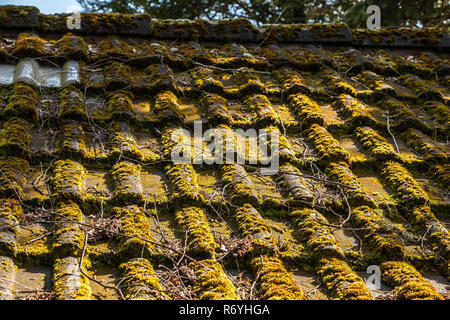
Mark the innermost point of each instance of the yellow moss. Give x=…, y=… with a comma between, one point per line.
x=306, y=109
x=312, y=227
x=72, y=143
x=355, y=109
x=22, y=102
x=68, y=281
x=127, y=182
x=120, y=106
x=407, y=282
x=275, y=283
x=212, y=282
x=175, y=137
x=407, y=189
x=204, y=80
x=167, y=108
x=385, y=244
x=356, y=194
x=377, y=145
x=250, y=222
x=292, y=82
x=217, y=111
x=136, y=229
x=15, y=139
x=194, y=224
x=68, y=235
x=68, y=180
x=341, y=281
x=241, y=188
x=262, y=110
x=326, y=146
x=13, y=178
x=184, y=183
x=71, y=103
x=140, y=281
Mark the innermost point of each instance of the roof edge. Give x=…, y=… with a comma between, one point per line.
x=28, y=18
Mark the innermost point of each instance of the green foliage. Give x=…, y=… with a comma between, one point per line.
x=393, y=13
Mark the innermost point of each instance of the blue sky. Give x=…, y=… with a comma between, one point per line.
x=46, y=6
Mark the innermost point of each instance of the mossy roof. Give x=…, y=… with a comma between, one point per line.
x=86, y=122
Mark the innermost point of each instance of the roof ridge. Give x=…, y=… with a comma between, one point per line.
x=237, y=30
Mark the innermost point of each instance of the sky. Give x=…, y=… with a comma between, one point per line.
x=47, y=6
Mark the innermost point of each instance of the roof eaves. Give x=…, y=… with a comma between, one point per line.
x=236, y=30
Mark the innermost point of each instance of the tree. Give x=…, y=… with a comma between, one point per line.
x=393, y=12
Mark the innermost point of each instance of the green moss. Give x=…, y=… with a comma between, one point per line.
x=294, y=184
x=127, y=182
x=183, y=179
x=31, y=46
x=118, y=76
x=72, y=47
x=136, y=229
x=356, y=194
x=401, y=181
x=307, y=110
x=12, y=178
x=71, y=103
x=310, y=226
x=194, y=224
x=240, y=187
x=68, y=281
x=68, y=236
x=22, y=102
x=167, y=109
x=384, y=243
x=217, y=111
x=341, y=281
x=421, y=143
x=407, y=282
x=68, y=180
x=212, y=282
x=326, y=146
x=423, y=89
x=162, y=79
x=275, y=283
x=377, y=145
x=15, y=139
